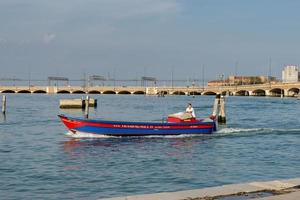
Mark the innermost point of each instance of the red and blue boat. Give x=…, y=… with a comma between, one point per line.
x=173, y=126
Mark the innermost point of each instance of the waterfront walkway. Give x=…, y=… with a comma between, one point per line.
x=278, y=89
x=288, y=189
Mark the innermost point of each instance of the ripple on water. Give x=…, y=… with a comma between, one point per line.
x=40, y=160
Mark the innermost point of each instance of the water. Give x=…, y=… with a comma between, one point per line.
x=261, y=141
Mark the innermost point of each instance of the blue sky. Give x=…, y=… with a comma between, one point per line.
x=132, y=38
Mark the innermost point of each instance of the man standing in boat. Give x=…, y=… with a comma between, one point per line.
x=190, y=110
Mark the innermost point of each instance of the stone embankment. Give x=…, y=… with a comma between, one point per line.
x=272, y=190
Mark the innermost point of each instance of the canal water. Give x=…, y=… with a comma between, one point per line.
x=38, y=160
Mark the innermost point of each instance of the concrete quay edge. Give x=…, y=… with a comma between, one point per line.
x=288, y=196
x=225, y=190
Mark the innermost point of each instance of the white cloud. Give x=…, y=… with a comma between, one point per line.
x=48, y=38
x=123, y=9
x=2, y=41
x=133, y=8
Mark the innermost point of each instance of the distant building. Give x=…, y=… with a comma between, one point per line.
x=215, y=83
x=243, y=80
x=290, y=74
x=249, y=80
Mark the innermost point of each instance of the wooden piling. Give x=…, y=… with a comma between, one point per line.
x=216, y=106
x=219, y=109
x=87, y=107
x=4, y=104
x=222, y=117
x=93, y=102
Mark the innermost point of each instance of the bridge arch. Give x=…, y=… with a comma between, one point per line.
x=124, y=92
x=209, y=93
x=276, y=92
x=227, y=93
x=24, y=91
x=178, y=93
x=195, y=93
x=78, y=92
x=259, y=92
x=63, y=92
x=8, y=91
x=293, y=92
x=242, y=93
x=94, y=92
x=39, y=92
x=162, y=92
x=139, y=92
x=109, y=92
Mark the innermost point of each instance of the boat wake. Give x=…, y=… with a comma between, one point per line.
x=238, y=130
x=87, y=135
x=229, y=131
x=220, y=132
x=173, y=136
x=90, y=135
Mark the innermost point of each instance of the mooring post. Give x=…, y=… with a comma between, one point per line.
x=87, y=101
x=4, y=104
x=222, y=117
x=216, y=106
x=95, y=103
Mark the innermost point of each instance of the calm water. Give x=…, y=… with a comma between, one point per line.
x=261, y=141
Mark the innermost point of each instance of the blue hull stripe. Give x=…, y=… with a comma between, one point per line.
x=141, y=123
x=126, y=131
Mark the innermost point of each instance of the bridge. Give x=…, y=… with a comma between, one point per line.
x=270, y=89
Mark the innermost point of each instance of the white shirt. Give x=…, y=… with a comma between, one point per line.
x=191, y=110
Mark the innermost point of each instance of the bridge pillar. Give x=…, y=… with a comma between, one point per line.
x=250, y=93
x=151, y=90
x=268, y=92
x=229, y=93
x=233, y=93
x=286, y=92
x=51, y=89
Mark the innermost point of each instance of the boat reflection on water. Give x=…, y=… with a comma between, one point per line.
x=77, y=151
x=75, y=143
x=138, y=153
x=138, y=143
x=188, y=141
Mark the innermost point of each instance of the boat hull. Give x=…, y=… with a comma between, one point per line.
x=120, y=128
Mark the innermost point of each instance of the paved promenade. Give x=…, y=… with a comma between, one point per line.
x=288, y=189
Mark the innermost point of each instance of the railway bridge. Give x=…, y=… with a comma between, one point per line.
x=274, y=89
